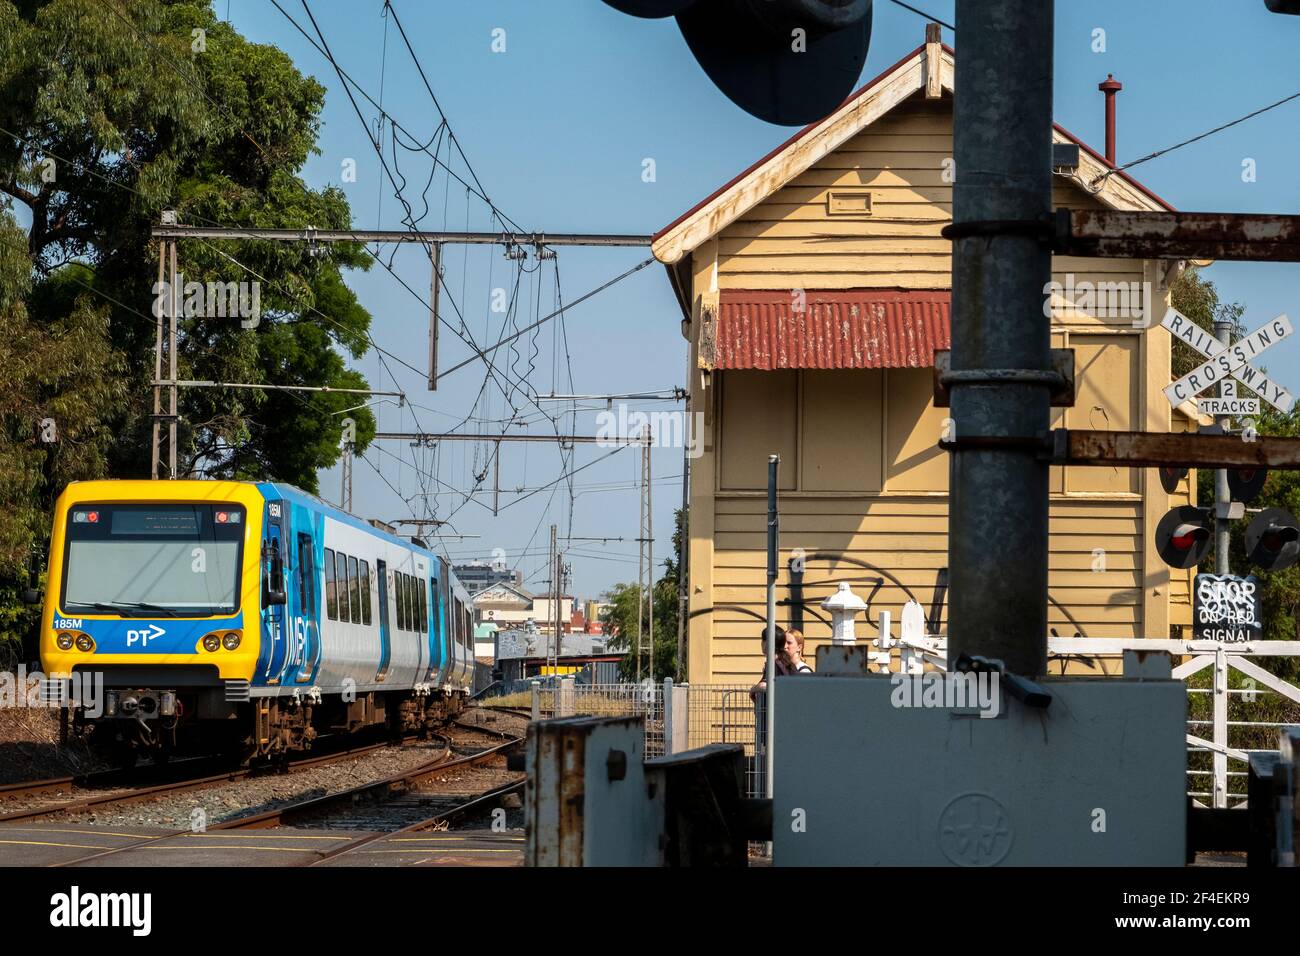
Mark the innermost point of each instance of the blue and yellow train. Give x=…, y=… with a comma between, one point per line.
x=250, y=616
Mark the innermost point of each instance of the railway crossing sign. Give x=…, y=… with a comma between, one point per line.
x=1224, y=362
x=1228, y=402
x=1226, y=608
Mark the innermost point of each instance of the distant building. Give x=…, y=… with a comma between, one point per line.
x=523, y=654
x=477, y=575
x=511, y=605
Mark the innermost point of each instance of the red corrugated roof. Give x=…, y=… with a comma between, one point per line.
x=848, y=328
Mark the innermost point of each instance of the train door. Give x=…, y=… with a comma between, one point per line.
x=458, y=644
x=307, y=622
x=381, y=575
x=275, y=634
x=435, y=628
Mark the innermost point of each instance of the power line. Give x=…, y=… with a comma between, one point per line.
x=392, y=121
x=561, y=311
x=932, y=19
x=438, y=106
x=468, y=336
x=1194, y=139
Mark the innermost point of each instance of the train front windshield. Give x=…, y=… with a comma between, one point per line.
x=142, y=560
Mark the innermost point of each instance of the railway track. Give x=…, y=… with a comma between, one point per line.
x=122, y=794
x=378, y=803
x=523, y=712
x=330, y=810
x=95, y=779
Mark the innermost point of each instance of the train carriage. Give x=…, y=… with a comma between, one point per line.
x=251, y=616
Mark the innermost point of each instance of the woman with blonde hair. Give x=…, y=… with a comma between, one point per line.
x=789, y=657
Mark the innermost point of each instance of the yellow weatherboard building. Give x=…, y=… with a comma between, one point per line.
x=815, y=289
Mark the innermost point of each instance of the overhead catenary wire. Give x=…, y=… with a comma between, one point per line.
x=919, y=12
x=1195, y=139
x=467, y=335
x=389, y=118
x=369, y=338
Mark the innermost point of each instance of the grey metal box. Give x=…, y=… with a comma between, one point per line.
x=1097, y=779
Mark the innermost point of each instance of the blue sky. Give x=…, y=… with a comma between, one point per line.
x=557, y=128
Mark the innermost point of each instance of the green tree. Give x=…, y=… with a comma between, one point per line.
x=620, y=619
x=112, y=111
x=1198, y=299
x=55, y=379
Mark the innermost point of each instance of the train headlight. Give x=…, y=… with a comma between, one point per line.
x=231, y=640
x=85, y=644
x=64, y=640
x=212, y=642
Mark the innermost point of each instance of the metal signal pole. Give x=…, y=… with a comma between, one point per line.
x=1001, y=344
x=1222, y=495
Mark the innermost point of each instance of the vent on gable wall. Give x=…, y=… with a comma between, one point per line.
x=848, y=203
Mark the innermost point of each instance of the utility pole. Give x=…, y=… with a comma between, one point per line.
x=154, y=460
x=645, y=566
x=559, y=606
x=554, y=562
x=1001, y=374
x=167, y=300
x=496, y=479
x=650, y=549
x=346, y=496
x=683, y=553
x=175, y=300
x=1222, y=495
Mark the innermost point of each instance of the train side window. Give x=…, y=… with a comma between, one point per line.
x=399, y=581
x=341, y=576
x=401, y=600
x=436, y=616
x=354, y=590
x=447, y=603
x=412, y=612
x=331, y=587
x=423, y=587
x=365, y=593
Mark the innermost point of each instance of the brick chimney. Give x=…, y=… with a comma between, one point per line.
x=1110, y=87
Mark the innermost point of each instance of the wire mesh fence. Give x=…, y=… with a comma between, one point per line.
x=695, y=715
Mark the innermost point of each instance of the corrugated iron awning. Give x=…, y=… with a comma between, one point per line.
x=841, y=328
